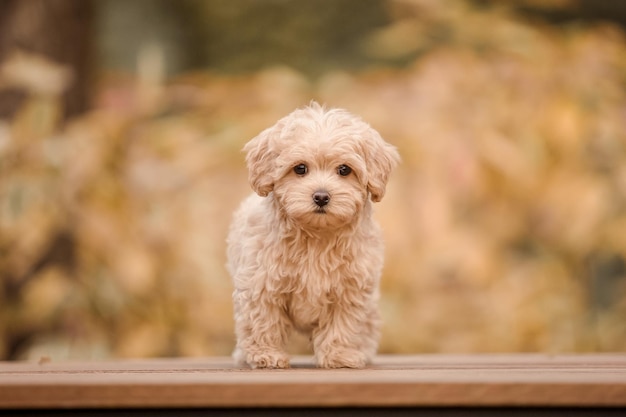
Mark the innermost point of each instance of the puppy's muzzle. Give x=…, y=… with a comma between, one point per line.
x=321, y=198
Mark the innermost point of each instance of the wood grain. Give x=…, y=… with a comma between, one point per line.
x=423, y=380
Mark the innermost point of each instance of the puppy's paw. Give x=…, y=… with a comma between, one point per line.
x=268, y=360
x=342, y=358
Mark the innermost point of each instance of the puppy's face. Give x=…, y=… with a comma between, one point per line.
x=319, y=182
x=321, y=166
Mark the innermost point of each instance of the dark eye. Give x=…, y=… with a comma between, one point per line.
x=300, y=169
x=344, y=170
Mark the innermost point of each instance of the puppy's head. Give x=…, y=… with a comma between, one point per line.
x=321, y=165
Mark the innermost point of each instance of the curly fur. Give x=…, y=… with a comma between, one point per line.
x=296, y=265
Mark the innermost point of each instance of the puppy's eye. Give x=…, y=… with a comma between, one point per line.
x=301, y=169
x=344, y=170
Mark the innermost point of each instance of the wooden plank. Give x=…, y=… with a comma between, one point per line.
x=423, y=380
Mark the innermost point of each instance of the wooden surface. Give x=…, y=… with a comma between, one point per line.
x=406, y=381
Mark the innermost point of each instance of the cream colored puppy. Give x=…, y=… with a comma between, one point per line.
x=304, y=251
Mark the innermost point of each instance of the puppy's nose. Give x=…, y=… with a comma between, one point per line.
x=321, y=197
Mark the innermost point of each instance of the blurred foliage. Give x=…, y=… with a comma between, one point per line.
x=505, y=224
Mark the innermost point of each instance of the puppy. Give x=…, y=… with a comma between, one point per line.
x=304, y=252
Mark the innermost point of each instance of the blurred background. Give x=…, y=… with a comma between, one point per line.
x=121, y=125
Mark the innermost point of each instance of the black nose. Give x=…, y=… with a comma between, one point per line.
x=321, y=198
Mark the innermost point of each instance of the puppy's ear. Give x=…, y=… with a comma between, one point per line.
x=381, y=158
x=260, y=161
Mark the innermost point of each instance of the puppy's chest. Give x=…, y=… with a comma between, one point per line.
x=314, y=271
x=312, y=287
x=314, y=282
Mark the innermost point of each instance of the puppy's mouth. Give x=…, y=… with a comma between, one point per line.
x=320, y=210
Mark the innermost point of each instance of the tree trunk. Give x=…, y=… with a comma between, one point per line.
x=61, y=31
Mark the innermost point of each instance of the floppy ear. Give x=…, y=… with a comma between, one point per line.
x=260, y=161
x=380, y=159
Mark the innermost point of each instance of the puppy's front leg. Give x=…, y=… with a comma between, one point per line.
x=342, y=341
x=262, y=330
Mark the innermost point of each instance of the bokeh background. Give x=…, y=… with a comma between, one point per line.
x=121, y=125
